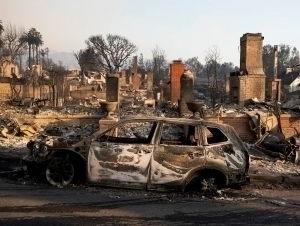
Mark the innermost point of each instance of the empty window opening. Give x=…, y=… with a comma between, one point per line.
x=214, y=135
x=130, y=132
x=177, y=134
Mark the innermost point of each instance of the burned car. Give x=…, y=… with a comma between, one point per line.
x=148, y=153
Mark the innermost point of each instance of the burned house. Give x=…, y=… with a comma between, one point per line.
x=250, y=81
x=7, y=67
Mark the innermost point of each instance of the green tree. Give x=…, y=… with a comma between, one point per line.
x=111, y=52
x=267, y=56
x=1, y=31
x=284, y=57
x=287, y=57
x=141, y=64
x=38, y=41
x=195, y=66
x=225, y=68
x=29, y=38
x=294, y=59
x=1, y=27
x=87, y=60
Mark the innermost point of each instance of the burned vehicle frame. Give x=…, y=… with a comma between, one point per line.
x=153, y=153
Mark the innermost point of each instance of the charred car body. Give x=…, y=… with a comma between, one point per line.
x=148, y=153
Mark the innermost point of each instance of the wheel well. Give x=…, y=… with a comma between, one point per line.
x=78, y=162
x=194, y=183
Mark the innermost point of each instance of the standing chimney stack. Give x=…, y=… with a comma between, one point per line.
x=275, y=61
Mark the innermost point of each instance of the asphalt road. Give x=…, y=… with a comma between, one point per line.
x=26, y=202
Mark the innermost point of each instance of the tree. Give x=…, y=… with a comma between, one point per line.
x=85, y=58
x=141, y=64
x=12, y=44
x=47, y=52
x=29, y=38
x=287, y=57
x=111, y=53
x=1, y=27
x=148, y=66
x=38, y=41
x=212, y=65
x=56, y=83
x=283, y=58
x=294, y=59
x=159, y=65
x=43, y=53
x=1, y=31
x=195, y=66
x=267, y=56
x=225, y=69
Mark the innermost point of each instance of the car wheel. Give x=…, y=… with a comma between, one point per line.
x=60, y=171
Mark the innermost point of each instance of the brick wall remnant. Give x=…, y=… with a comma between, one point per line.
x=136, y=81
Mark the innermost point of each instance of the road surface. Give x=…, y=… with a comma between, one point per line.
x=26, y=202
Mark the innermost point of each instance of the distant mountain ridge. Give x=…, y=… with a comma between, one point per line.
x=68, y=59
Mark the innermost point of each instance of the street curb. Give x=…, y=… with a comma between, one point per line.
x=280, y=178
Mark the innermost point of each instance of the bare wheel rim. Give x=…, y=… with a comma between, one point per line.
x=60, y=172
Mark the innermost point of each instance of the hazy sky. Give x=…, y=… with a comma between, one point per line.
x=183, y=28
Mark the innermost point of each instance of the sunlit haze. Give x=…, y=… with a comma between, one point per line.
x=183, y=29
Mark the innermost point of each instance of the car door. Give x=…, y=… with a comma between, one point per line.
x=221, y=153
x=120, y=158
x=178, y=152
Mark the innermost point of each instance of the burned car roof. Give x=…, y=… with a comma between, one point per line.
x=186, y=121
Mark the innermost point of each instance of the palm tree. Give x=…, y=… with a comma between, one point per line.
x=1, y=27
x=32, y=37
x=1, y=31
x=43, y=53
x=47, y=52
x=38, y=41
x=29, y=38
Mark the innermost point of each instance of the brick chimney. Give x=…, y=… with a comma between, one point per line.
x=176, y=70
x=251, y=81
x=251, y=62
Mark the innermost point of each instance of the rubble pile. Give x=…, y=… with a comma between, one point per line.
x=288, y=107
x=10, y=127
x=274, y=167
x=77, y=109
x=135, y=130
x=67, y=135
x=16, y=131
x=292, y=105
x=136, y=107
x=264, y=164
x=71, y=110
